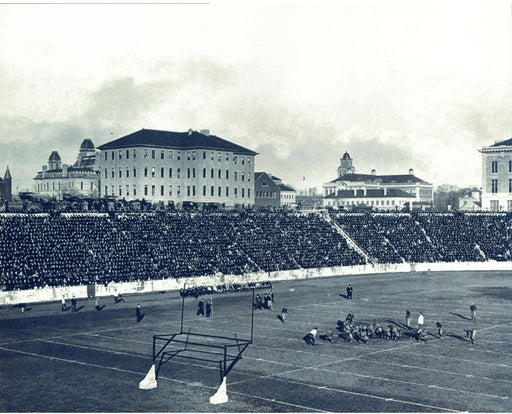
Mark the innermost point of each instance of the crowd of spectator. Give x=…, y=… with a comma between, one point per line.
x=48, y=250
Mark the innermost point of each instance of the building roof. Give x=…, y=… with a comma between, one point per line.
x=502, y=143
x=87, y=145
x=175, y=140
x=54, y=156
x=284, y=187
x=384, y=179
x=7, y=175
x=346, y=156
x=370, y=193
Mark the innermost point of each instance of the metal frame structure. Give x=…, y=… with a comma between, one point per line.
x=223, y=350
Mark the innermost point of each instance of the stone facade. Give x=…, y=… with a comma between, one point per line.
x=497, y=176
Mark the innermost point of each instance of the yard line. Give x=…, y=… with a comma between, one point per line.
x=339, y=390
x=72, y=361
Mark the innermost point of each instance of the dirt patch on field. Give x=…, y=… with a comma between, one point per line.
x=497, y=292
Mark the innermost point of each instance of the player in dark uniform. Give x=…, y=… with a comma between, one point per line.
x=349, y=291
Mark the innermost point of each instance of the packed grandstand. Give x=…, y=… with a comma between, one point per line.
x=70, y=249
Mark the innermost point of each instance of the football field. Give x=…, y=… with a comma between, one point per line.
x=93, y=361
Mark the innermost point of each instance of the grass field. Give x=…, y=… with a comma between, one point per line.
x=90, y=361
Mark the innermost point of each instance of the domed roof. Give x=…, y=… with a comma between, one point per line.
x=87, y=145
x=346, y=156
x=54, y=156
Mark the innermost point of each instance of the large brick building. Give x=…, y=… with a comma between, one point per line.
x=176, y=168
x=271, y=192
x=497, y=176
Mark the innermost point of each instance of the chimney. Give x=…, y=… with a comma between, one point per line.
x=374, y=172
x=205, y=132
x=411, y=171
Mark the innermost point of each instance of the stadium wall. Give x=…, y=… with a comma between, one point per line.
x=149, y=286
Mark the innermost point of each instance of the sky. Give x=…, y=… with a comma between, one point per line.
x=397, y=84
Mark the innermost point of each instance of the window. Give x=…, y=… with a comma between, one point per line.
x=178, y=190
x=494, y=186
x=212, y=190
x=204, y=155
x=162, y=173
x=188, y=157
x=193, y=173
x=495, y=205
x=113, y=174
x=170, y=190
x=106, y=190
x=211, y=173
x=219, y=191
x=236, y=175
x=193, y=155
x=212, y=156
x=227, y=174
x=235, y=192
x=120, y=173
x=145, y=154
x=243, y=192
x=106, y=173
x=219, y=156
x=249, y=193
x=134, y=172
x=193, y=191
x=161, y=190
x=127, y=154
x=153, y=155
x=145, y=171
x=146, y=190
x=112, y=157
x=127, y=172
x=105, y=158
x=178, y=155
x=204, y=190
x=248, y=176
x=188, y=191
x=227, y=156
x=243, y=176
x=494, y=167
x=243, y=160
x=162, y=156
x=510, y=166
x=248, y=160
x=127, y=190
x=178, y=173
x=510, y=185
x=204, y=172
x=153, y=190
x=227, y=191
x=219, y=174
x=134, y=190
x=81, y=185
x=234, y=159
x=134, y=156
x=170, y=172
x=188, y=174
x=152, y=172
x=120, y=191
x=120, y=156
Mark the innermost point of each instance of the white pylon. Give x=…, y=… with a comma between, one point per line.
x=221, y=396
x=149, y=381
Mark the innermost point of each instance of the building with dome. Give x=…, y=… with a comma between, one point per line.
x=497, y=176
x=79, y=179
x=378, y=192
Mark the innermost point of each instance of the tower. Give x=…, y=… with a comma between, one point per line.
x=6, y=186
x=346, y=166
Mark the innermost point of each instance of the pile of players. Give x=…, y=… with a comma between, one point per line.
x=348, y=331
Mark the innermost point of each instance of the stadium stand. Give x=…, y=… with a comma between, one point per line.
x=69, y=249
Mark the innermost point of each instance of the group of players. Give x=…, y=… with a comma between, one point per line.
x=360, y=333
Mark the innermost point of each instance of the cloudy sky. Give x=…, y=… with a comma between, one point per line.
x=400, y=85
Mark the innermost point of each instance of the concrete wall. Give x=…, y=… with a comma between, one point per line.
x=56, y=294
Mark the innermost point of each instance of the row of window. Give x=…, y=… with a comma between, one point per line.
x=495, y=186
x=495, y=169
x=369, y=202
x=495, y=205
x=178, y=191
x=191, y=173
x=70, y=184
x=191, y=155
